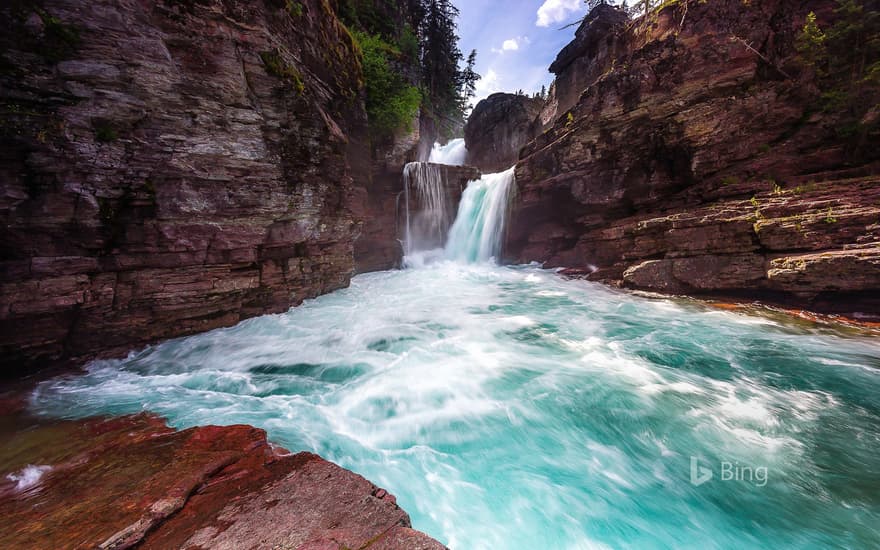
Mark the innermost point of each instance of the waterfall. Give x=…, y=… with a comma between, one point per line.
x=478, y=231
x=453, y=153
x=426, y=207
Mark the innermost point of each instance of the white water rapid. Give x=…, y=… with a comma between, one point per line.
x=508, y=407
x=453, y=153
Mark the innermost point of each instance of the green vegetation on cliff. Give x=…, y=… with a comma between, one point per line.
x=392, y=102
x=411, y=60
x=845, y=57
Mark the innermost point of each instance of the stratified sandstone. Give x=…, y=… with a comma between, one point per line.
x=699, y=158
x=132, y=481
x=171, y=167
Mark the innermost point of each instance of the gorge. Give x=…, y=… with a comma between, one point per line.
x=637, y=311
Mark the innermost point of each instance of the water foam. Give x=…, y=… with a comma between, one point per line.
x=453, y=153
x=508, y=407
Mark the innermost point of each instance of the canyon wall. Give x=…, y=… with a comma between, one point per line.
x=704, y=155
x=170, y=167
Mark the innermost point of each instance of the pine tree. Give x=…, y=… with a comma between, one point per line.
x=468, y=81
x=440, y=62
x=643, y=7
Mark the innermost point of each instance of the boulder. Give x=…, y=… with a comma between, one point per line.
x=498, y=128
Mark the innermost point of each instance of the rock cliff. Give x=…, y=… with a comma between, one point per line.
x=583, y=60
x=170, y=167
x=703, y=155
x=498, y=128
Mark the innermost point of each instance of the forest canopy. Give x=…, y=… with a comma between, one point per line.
x=411, y=61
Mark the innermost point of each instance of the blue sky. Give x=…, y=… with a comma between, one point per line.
x=516, y=40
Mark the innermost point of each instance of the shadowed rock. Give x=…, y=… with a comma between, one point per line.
x=170, y=167
x=498, y=128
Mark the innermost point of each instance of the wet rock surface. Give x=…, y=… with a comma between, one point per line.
x=132, y=481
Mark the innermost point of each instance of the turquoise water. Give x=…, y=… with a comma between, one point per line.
x=509, y=408
x=479, y=226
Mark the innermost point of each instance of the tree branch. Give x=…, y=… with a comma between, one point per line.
x=762, y=56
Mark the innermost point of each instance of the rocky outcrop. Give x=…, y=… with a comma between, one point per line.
x=132, y=481
x=581, y=62
x=498, y=128
x=171, y=167
x=701, y=159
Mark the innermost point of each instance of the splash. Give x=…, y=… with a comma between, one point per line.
x=453, y=153
x=29, y=477
x=507, y=407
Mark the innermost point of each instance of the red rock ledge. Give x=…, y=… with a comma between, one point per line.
x=133, y=481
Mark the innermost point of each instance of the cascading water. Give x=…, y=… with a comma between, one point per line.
x=426, y=207
x=427, y=203
x=453, y=153
x=478, y=231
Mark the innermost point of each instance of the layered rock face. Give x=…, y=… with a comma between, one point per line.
x=133, y=482
x=582, y=61
x=171, y=167
x=498, y=128
x=699, y=158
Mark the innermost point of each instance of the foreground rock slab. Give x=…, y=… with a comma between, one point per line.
x=132, y=481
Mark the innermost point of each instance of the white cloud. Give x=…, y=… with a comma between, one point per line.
x=487, y=85
x=512, y=44
x=556, y=11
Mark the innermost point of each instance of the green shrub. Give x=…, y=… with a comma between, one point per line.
x=829, y=217
x=811, y=44
x=409, y=44
x=392, y=102
x=60, y=40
